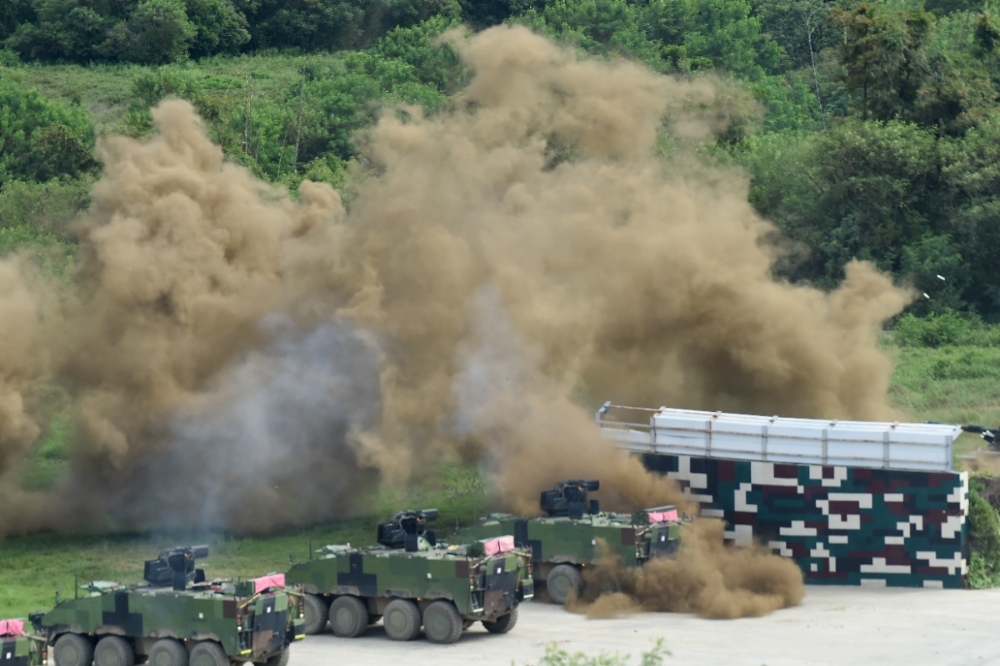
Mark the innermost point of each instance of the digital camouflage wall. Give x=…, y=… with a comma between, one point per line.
x=842, y=525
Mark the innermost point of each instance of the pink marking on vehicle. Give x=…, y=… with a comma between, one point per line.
x=498, y=545
x=12, y=628
x=663, y=516
x=266, y=582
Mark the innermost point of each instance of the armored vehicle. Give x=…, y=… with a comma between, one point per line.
x=565, y=540
x=18, y=648
x=412, y=580
x=175, y=619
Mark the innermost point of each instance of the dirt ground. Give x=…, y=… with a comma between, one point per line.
x=834, y=625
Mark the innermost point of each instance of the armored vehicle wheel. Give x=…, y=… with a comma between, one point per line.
x=502, y=624
x=114, y=651
x=208, y=653
x=317, y=613
x=168, y=652
x=280, y=659
x=467, y=623
x=348, y=616
x=562, y=579
x=73, y=650
x=442, y=623
x=401, y=620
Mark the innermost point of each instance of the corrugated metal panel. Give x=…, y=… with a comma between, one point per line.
x=910, y=446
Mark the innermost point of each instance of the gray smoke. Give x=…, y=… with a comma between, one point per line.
x=270, y=442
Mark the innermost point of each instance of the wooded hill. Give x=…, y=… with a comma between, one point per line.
x=876, y=134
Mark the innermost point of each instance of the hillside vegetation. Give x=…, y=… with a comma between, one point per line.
x=872, y=131
x=875, y=134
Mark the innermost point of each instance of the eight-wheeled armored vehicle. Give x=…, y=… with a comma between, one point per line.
x=19, y=648
x=412, y=580
x=566, y=538
x=176, y=619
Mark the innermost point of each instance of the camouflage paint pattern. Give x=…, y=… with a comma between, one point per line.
x=248, y=626
x=481, y=587
x=558, y=540
x=842, y=525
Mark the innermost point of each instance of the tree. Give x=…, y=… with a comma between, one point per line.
x=73, y=30
x=864, y=189
x=800, y=27
x=12, y=14
x=220, y=27
x=157, y=32
x=971, y=185
x=884, y=55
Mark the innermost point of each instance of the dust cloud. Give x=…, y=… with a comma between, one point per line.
x=239, y=357
x=708, y=578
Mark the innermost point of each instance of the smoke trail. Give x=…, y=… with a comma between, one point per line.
x=518, y=254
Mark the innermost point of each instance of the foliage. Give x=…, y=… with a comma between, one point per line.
x=984, y=534
x=556, y=656
x=945, y=329
x=884, y=53
x=879, y=140
x=220, y=28
x=156, y=32
x=35, y=220
x=41, y=139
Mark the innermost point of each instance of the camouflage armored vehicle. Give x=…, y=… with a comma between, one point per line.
x=565, y=539
x=411, y=580
x=18, y=648
x=175, y=619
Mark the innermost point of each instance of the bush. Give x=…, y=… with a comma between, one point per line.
x=946, y=329
x=41, y=139
x=984, y=534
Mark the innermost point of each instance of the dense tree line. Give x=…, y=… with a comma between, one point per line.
x=880, y=135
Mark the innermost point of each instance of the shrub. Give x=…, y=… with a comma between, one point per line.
x=984, y=534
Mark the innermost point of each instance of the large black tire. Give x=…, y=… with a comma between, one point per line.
x=114, y=651
x=401, y=620
x=442, y=623
x=348, y=616
x=563, y=579
x=502, y=624
x=280, y=659
x=208, y=653
x=72, y=650
x=168, y=652
x=317, y=613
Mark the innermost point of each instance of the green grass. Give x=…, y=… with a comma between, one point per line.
x=35, y=567
x=954, y=384
x=950, y=385
x=106, y=91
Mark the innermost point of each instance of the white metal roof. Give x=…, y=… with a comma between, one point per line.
x=911, y=446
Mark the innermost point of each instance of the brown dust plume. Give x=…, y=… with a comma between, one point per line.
x=707, y=578
x=242, y=358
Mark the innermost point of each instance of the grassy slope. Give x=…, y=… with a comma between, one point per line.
x=105, y=90
x=34, y=567
x=951, y=385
